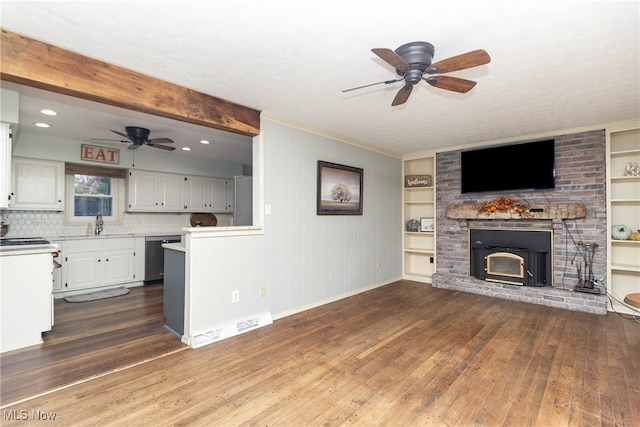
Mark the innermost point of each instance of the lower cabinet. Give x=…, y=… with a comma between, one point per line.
x=98, y=262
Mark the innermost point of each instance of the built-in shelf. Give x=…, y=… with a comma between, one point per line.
x=418, y=260
x=623, y=208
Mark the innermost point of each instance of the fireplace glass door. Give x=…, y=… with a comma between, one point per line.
x=504, y=267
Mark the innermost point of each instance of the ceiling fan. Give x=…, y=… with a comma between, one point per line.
x=413, y=60
x=137, y=136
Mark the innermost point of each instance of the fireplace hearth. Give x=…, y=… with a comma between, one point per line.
x=512, y=257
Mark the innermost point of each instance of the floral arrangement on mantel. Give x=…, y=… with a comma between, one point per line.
x=503, y=204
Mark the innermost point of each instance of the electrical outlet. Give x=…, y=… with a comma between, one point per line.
x=235, y=296
x=262, y=291
x=379, y=264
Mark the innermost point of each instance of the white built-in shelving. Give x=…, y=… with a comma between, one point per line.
x=418, y=203
x=623, y=208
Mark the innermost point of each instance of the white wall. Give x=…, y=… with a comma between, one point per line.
x=302, y=259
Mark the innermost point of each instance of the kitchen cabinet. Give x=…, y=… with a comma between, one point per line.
x=26, y=305
x=623, y=208
x=418, y=197
x=99, y=262
x=207, y=194
x=149, y=191
x=5, y=162
x=36, y=184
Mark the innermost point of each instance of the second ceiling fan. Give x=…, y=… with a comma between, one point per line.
x=413, y=60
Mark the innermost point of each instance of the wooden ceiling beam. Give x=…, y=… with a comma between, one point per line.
x=33, y=63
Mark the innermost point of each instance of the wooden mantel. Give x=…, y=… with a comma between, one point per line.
x=541, y=211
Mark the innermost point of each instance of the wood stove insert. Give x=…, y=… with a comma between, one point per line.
x=513, y=257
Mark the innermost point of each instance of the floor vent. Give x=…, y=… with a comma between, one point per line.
x=231, y=330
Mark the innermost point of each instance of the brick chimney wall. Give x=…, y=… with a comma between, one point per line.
x=580, y=177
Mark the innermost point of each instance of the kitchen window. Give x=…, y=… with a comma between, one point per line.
x=92, y=191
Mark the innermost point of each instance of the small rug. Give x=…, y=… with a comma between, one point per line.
x=92, y=296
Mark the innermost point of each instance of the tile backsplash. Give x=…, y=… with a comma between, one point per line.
x=51, y=224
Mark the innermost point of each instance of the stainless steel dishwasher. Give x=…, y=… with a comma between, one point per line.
x=154, y=256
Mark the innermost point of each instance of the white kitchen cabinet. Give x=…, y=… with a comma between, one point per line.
x=5, y=162
x=207, y=194
x=97, y=262
x=196, y=194
x=25, y=306
x=229, y=195
x=154, y=192
x=36, y=184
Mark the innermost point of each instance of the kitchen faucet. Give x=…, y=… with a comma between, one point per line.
x=99, y=224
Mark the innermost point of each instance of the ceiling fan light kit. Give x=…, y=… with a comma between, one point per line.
x=413, y=60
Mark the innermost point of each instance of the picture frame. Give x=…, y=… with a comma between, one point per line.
x=426, y=224
x=339, y=190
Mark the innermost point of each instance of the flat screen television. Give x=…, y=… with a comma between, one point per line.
x=521, y=166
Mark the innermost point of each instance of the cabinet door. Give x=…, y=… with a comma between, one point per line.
x=5, y=162
x=218, y=195
x=118, y=267
x=171, y=189
x=36, y=184
x=229, y=195
x=196, y=194
x=83, y=270
x=141, y=188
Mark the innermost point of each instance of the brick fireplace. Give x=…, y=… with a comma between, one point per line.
x=580, y=179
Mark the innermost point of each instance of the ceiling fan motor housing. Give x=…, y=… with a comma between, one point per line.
x=419, y=56
x=137, y=134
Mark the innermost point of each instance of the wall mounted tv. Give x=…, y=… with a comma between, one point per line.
x=521, y=166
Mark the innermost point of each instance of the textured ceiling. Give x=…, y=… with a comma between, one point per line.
x=555, y=65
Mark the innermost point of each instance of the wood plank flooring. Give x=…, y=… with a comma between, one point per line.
x=89, y=339
x=404, y=354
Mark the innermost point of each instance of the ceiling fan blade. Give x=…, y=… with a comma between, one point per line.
x=460, y=62
x=133, y=147
x=162, y=147
x=451, y=83
x=402, y=95
x=391, y=58
x=121, y=134
x=110, y=140
x=161, y=141
x=373, y=84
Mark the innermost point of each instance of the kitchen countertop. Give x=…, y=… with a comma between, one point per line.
x=27, y=250
x=114, y=236
x=174, y=246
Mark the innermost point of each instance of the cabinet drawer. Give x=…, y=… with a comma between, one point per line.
x=118, y=244
x=88, y=245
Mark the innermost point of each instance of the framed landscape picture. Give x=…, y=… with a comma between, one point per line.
x=339, y=189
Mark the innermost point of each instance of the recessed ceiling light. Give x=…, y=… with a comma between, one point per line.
x=42, y=125
x=186, y=148
x=204, y=141
x=48, y=112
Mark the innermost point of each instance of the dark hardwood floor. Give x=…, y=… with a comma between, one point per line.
x=404, y=354
x=89, y=339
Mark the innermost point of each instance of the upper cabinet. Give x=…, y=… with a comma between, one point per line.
x=36, y=184
x=5, y=162
x=165, y=192
x=154, y=192
x=623, y=209
x=418, y=197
